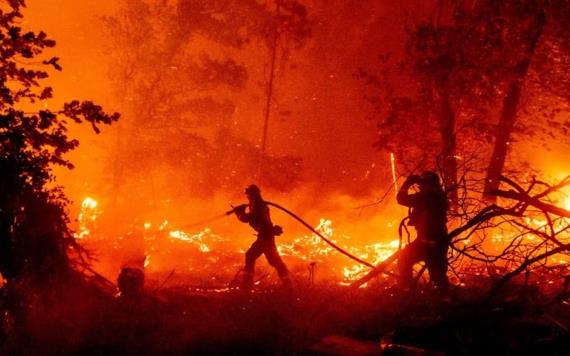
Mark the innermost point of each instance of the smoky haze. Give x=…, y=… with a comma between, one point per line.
x=319, y=114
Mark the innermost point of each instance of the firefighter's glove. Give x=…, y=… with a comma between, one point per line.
x=240, y=210
x=277, y=230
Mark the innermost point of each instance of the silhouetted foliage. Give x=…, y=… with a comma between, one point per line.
x=460, y=64
x=34, y=236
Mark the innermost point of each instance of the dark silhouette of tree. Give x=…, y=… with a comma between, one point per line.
x=465, y=60
x=542, y=35
x=34, y=237
x=452, y=81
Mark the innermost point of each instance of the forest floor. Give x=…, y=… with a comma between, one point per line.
x=311, y=320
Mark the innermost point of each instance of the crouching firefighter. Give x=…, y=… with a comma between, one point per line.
x=257, y=216
x=428, y=209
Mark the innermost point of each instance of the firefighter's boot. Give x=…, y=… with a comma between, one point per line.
x=247, y=281
x=287, y=283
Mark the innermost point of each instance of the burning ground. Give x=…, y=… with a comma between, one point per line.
x=198, y=252
x=192, y=306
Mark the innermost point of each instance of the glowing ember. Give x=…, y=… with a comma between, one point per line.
x=163, y=225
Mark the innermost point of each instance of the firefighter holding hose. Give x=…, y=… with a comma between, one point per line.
x=256, y=214
x=428, y=215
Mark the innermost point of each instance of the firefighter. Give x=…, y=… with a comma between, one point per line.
x=428, y=210
x=257, y=216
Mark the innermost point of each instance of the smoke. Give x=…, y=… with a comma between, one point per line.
x=318, y=114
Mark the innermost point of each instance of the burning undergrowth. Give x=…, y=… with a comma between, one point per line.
x=193, y=309
x=210, y=253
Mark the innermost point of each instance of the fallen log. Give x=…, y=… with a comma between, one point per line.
x=375, y=271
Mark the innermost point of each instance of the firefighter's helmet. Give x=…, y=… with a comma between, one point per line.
x=252, y=189
x=430, y=177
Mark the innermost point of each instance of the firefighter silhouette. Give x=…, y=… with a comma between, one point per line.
x=256, y=214
x=428, y=215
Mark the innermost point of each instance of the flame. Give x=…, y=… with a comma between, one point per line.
x=86, y=218
x=307, y=248
x=312, y=249
x=197, y=239
x=89, y=203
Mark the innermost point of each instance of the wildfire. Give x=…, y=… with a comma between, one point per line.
x=309, y=248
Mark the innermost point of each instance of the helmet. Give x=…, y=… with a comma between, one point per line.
x=430, y=177
x=252, y=189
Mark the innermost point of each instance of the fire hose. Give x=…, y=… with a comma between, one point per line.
x=375, y=270
x=329, y=242
x=304, y=223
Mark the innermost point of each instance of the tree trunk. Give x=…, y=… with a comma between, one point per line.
x=509, y=113
x=504, y=129
x=447, y=162
x=448, y=139
x=269, y=97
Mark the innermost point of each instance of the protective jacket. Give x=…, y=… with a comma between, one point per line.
x=428, y=213
x=258, y=218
